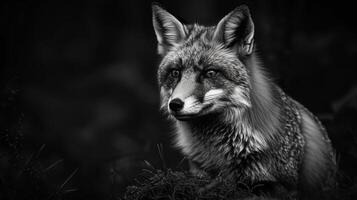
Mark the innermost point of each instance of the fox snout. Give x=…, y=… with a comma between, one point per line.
x=184, y=100
x=187, y=107
x=184, y=107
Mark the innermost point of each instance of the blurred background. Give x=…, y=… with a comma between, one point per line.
x=79, y=102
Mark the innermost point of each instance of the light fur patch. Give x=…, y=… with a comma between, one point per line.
x=164, y=96
x=316, y=161
x=233, y=115
x=184, y=138
x=240, y=98
x=213, y=94
x=247, y=133
x=192, y=105
x=163, y=93
x=261, y=84
x=253, y=136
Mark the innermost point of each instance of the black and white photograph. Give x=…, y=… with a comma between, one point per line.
x=178, y=100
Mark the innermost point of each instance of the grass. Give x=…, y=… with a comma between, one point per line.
x=172, y=185
x=179, y=185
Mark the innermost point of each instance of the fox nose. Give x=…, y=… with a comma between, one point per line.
x=176, y=104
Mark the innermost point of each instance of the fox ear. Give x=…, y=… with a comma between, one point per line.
x=169, y=31
x=236, y=30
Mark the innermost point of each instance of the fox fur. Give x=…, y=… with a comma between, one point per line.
x=231, y=119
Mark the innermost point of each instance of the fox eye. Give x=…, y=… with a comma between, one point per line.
x=210, y=73
x=175, y=73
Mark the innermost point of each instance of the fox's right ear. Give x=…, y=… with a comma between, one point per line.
x=236, y=30
x=169, y=31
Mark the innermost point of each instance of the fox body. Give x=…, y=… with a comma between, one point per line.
x=231, y=119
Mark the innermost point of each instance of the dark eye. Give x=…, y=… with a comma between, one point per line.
x=210, y=73
x=175, y=73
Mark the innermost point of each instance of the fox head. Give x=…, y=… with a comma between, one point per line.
x=203, y=68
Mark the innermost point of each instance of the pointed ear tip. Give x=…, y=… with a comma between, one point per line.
x=243, y=8
x=155, y=6
x=157, y=9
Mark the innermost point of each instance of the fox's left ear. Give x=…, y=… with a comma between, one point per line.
x=236, y=30
x=169, y=30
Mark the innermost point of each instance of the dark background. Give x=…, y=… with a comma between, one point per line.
x=79, y=100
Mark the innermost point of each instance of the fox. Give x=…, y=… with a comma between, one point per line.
x=231, y=120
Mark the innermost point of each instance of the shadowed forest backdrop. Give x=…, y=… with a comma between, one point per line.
x=79, y=104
